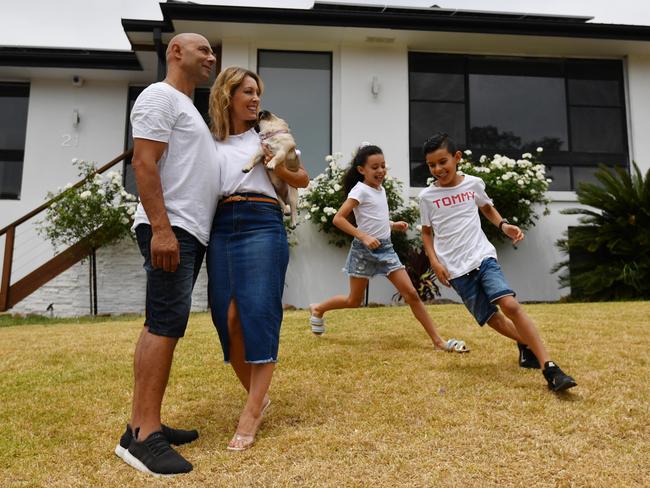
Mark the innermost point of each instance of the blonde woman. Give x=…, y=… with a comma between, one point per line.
x=248, y=252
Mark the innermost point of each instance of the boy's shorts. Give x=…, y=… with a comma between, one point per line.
x=481, y=287
x=366, y=263
x=169, y=295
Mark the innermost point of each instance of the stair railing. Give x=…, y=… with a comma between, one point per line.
x=12, y=293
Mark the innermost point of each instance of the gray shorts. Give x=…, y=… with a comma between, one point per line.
x=366, y=263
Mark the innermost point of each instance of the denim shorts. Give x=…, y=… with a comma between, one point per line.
x=366, y=263
x=169, y=295
x=481, y=287
x=247, y=261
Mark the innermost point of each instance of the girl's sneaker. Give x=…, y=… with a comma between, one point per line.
x=557, y=379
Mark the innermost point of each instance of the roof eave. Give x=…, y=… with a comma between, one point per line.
x=399, y=19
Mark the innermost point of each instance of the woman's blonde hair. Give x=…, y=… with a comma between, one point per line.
x=221, y=96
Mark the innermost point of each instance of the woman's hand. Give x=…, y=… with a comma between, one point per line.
x=441, y=273
x=399, y=226
x=369, y=241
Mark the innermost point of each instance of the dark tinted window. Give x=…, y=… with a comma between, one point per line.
x=14, y=101
x=573, y=109
x=298, y=88
x=516, y=112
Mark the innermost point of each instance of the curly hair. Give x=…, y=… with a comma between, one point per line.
x=221, y=95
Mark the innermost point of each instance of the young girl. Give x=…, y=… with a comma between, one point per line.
x=463, y=258
x=372, y=252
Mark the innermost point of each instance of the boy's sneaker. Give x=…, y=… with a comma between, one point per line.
x=174, y=436
x=527, y=358
x=155, y=456
x=556, y=378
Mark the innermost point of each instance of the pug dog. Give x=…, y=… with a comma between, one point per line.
x=276, y=136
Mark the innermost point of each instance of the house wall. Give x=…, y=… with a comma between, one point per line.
x=52, y=141
x=314, y=269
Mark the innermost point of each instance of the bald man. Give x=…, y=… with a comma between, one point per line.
x=174, y=161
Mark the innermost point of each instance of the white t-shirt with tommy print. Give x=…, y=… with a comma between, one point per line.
x=372, y=212
x=453, y=215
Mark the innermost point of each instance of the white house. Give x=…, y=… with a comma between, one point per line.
x=340, y=74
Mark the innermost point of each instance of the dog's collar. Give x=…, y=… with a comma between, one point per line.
x=267, y=135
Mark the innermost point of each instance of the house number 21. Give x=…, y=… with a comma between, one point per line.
x=68, y=140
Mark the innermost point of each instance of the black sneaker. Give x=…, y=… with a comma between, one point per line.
x=155, y=456
x=557, y=379
x=527, y=358
x=176, y=437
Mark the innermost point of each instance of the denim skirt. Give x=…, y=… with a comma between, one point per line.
x=366, y=263
x=247, y=260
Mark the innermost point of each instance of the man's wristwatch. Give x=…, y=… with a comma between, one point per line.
x=503, y=221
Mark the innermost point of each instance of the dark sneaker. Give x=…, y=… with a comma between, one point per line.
x=556, y=378
x=155, y=456
x=527, y=358
x=176, y=437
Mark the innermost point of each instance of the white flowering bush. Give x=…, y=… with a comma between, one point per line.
x=99, y=208
x=322, y=199
x=517, y=187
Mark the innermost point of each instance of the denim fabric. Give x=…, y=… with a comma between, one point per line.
x=366, y=263
x=481, y=287
x=169, y=295
x=247, y=260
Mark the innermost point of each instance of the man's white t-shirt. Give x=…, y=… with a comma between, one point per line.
x=372, y=212
x=188, y=168
x=235, y=153
x=452, y=213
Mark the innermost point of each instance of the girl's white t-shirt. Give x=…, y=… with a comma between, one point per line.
x=188, y=168
x=372, y=212
x=233, y=154
x=452, y=213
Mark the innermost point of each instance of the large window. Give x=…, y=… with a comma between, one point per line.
x=14, y=99
x=572, y=108
x=298, y=88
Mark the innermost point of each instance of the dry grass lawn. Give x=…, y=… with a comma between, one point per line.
x=368, y=404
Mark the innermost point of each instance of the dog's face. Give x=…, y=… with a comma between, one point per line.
x=269, y=122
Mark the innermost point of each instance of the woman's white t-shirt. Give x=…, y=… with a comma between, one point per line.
x=372, y=212
x=233, y=154
x=188, y=168
x=452, y=213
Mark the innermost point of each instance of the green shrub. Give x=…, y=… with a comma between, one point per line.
x=609, y=252
x=99, y=208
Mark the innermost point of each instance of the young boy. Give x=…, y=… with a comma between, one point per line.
x=463, y=258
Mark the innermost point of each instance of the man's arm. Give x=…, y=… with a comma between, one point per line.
x=164, y=245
